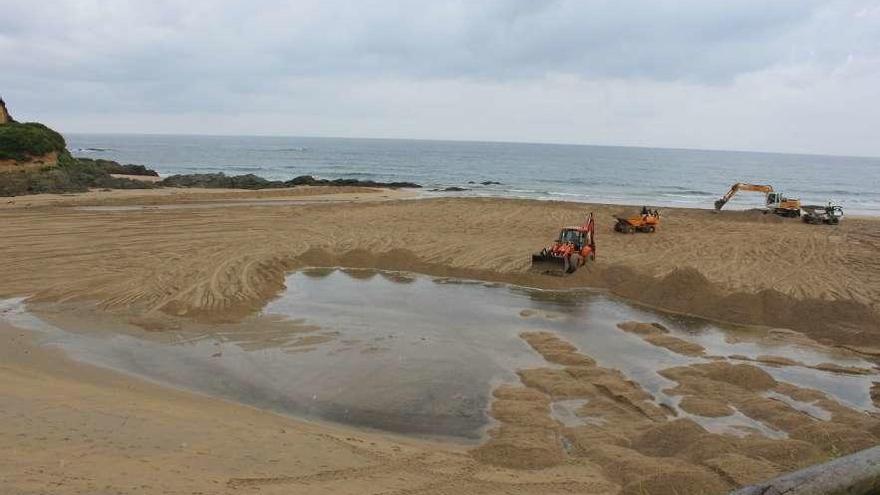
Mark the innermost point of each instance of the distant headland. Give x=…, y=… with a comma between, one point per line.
x=34, y=159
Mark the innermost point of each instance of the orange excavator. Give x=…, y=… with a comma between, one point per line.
x=775, y=201
x=569, y=252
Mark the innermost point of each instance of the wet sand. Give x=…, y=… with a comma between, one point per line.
x=402, y=360
x=166, y=269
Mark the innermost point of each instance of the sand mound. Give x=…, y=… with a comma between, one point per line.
x=708, y=446
x=846, y=370
x=523, y=413
x=834, y=439
x=556, y=383
x=556, y=350
x=702, y=406
x=741, y=375
x=692, y=481
x=676, y=345
x=798, y=393
x=788, y=454
x=513, y=392
x=657, y=334
x=640, y=328
x=776, y=361
x=521, y=448
x=584, y=440
x=742, y=470
x=774, y=413
x=666, y=439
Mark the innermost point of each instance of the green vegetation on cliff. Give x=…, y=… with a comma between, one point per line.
x=21, y=142
x=25, y=142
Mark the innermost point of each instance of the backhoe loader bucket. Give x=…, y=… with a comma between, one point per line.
x=548, y=264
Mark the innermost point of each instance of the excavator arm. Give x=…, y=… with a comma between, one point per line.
x=590, y=227
x=740, y=186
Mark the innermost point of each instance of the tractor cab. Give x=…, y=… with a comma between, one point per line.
x=774, y=198
x=573, y=235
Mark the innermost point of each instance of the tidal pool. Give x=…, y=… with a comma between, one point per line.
x=419, y=355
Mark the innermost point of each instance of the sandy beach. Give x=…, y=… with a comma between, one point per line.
x=176, y=258
x=169, y=259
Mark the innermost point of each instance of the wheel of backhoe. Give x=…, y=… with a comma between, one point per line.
x=651, y=229
x=572, y=263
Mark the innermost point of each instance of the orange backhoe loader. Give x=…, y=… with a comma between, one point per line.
x=775, y=201
x=569, y=252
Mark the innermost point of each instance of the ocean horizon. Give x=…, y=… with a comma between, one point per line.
x=677, y=177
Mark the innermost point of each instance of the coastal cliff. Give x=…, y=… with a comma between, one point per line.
x=5, y=118
x=34, y=159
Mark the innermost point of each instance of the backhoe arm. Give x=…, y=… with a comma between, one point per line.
x=740, y=186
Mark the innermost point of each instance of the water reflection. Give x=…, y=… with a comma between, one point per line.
x=420, y=355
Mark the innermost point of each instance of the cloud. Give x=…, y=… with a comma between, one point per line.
x=428, y=69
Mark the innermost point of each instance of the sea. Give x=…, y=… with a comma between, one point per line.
x=601, y=174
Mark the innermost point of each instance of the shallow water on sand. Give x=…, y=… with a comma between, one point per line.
x=420, y=355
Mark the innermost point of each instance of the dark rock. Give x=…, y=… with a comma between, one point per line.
x=112, y=167
x=220, y=181
x=308, y=180
x=451, y=189
x=490, y=183
x=251, y=181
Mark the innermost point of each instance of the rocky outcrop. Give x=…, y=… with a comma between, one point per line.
x=34, y=159
x=251, y=181
x=308, y=180
x=219, y=181
x=113, y=167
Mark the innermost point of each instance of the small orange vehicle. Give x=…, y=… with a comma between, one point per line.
x=569, y=252
x=648, y=222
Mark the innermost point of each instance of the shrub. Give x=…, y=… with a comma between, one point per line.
x=21, y=141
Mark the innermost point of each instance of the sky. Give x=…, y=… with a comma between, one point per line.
x=797, y=76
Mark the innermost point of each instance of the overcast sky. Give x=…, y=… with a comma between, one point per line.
x=780, y=75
